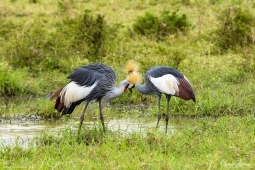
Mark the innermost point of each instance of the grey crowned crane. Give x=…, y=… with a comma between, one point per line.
x=90, y=82
x=166, y=80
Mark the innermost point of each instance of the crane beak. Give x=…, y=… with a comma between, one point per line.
x=130, y=87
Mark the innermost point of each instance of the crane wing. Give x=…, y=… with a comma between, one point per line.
x=88, y=75
x=159, y=71
x=73, y=92
x=84, y=76
x=166, y=84
x=83, y=81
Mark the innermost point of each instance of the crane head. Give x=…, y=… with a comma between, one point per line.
x=129, y=86
x=133, y=78
x=132, y=69
x=131, y=66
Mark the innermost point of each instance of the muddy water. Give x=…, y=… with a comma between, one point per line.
x=16, y=133
x=120, y=117
x=22, y=132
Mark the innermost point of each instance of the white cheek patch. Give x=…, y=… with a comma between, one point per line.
x=73, y=92
x=130, y=85
x=166, y=84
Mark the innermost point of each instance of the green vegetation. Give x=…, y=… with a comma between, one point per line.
x=162, y=26
x=210, y=41
x=224, y=143
x=236, y=30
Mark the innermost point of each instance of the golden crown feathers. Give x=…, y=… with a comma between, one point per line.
x=132, y=70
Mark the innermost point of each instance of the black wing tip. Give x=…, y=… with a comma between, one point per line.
x=67, y=111
x=194, y=98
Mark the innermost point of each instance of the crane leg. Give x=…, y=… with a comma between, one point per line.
x=101, y=115
x=82, y=118
x=168, y=97
x=159, y=114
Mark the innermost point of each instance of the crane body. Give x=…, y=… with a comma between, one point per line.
x=164, y=80
x=87, y=83
x=167, y=80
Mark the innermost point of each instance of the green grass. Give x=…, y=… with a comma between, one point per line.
x=36, y=60
x=222, y=143
x=42, y=42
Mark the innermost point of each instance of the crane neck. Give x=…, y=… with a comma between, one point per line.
x=144, y=88
x=120, y=89
x=116, y=91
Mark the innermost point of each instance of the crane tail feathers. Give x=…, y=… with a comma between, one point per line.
x=70, y=109
x=185, y=90
x=56, y=94
x=58, y=105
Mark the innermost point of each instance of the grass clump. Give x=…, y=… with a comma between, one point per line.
x=84, y=38
x=10, y=81
x=161, y=26
x=64, y=5
x=7, y=28
x=89, y=35
x=34, y=1
x=28, y=50
x=247, y=62
x=236, y=28
x=21, y=107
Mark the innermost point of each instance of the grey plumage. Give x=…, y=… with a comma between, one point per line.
x=159, y=71
x=88, y=75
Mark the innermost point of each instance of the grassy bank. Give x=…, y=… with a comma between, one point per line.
x=42, y=41
x=223, y=143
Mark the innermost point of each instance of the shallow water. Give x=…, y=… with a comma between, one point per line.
x=20, y=129
x=16, y=133
x=21, y=133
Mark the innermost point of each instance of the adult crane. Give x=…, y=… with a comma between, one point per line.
x=90, y=82
x=166, y=80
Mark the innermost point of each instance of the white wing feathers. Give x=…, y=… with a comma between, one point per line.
x=73, y=92
x=166, y=84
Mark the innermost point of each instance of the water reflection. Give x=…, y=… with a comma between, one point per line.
x=22, y=133
x=20, y=128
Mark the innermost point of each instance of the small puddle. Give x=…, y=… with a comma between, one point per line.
x=21, y=133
